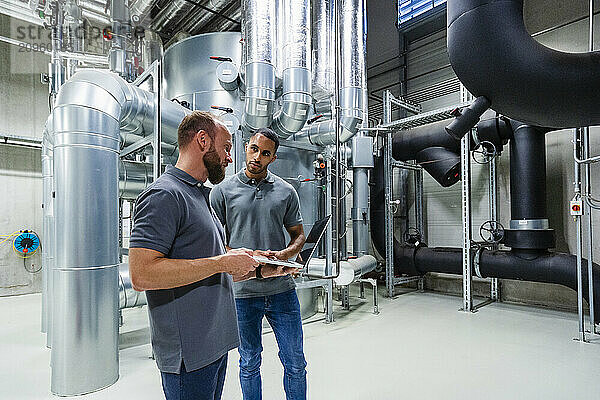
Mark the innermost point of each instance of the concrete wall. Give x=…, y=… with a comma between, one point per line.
x=23, y=111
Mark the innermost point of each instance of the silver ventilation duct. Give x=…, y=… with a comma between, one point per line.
x=152, y=48
x=296, y=98
x=260, y=73
x=324, y=57
x=90, y=110
x=134, y=177
x=174, y=11
x=140, y=9
x=352, y=34
x=128, y=296
x=202, y=17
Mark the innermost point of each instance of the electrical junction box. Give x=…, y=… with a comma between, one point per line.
x=576, y=207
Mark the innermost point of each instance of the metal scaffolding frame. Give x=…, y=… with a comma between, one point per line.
x=583, y=191
x=388, y=171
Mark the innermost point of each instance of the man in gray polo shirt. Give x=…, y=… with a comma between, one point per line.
x=256, y=206
x=177, y=255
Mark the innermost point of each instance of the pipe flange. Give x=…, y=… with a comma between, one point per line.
x=476, y=262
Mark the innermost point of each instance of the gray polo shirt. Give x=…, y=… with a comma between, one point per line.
x=255, y=215
x=196, y=323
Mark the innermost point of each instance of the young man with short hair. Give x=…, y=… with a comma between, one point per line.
x=256, y=206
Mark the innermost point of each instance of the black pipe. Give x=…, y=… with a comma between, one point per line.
x=533, y=266
x=528, y=174
x=406, y=144
x=467, y=118
x=442, y=164
x=527, y=265
x=494, y=56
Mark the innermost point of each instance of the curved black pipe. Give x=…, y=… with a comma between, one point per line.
x=533, y=265
x=442, y=164
x=406, y=144
x=494, y=56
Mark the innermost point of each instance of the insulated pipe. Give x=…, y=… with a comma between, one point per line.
x=140, y=9
x=352, y=34
x=134, y=177
x=174, y=11
x=90, y=109
x=529, y=265
x=534, y=266
x=297, y=88
x=494, y=56
x=528, y=174
x=128, y=296
x=260, y=73
x=323, y=60
x=203, y=16
x=350, y=270
x=407, y=143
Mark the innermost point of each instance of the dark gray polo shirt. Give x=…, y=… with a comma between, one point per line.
x=255, y=215
x=196, y=323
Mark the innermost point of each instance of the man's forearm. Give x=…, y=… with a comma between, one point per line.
x=153, y=272
x=293, y=248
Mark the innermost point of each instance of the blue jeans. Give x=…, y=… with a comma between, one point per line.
x=283, y=313
x=205, y=383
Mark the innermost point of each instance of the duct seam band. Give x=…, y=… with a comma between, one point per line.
x=89, y=146
x=86, y=268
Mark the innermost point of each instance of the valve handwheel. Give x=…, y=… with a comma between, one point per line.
x=491, y=232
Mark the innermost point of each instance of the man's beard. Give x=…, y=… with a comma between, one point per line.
x=216, y=170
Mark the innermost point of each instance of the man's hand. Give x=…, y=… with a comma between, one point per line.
x=269, y=271
x=278, y=255
x=239, y=263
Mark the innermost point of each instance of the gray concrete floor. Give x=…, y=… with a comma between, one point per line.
x=419, y=347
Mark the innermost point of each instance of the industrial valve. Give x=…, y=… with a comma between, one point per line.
x=492, y=232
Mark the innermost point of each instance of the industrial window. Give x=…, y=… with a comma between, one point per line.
x=408, y=9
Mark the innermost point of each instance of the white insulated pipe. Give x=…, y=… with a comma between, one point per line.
x=351, y=270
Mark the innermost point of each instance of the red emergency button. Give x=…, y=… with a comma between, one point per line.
x=576, y=207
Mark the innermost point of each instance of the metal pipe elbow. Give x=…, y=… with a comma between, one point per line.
x=296, y=102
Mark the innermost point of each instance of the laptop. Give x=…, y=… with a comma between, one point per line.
x=314, y=237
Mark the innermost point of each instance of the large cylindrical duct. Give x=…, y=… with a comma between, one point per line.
x=494, y=56
x=529, y=227
x=323, y=53
x=296, y=99
x=260, y=73
x=90, y=109
x=352, y=27
x=352, y=31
